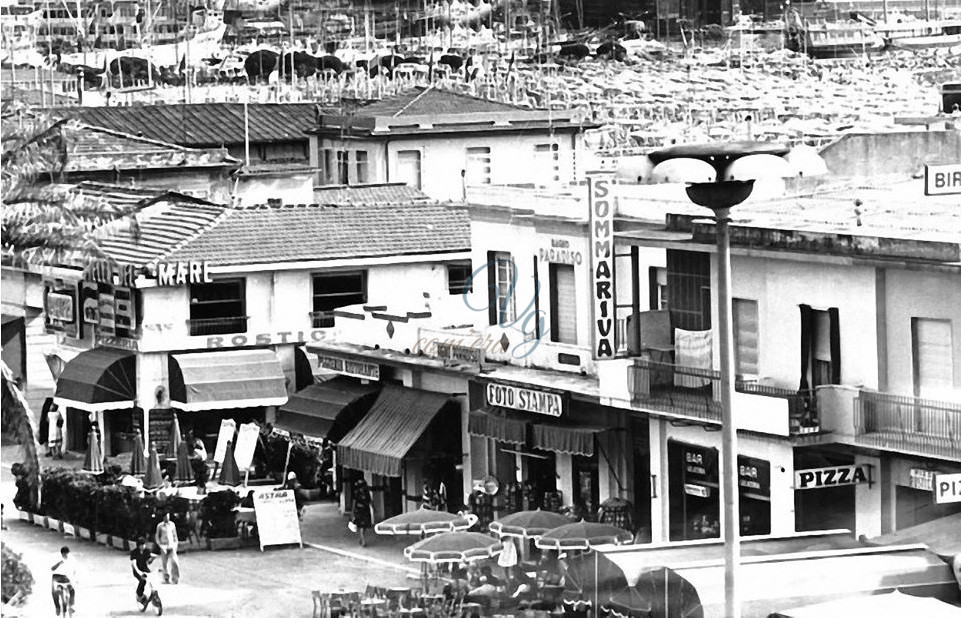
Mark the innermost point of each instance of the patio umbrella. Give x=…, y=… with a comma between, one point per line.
x=138, y=463
x=93, y=459
x=583, y=535
x=591, y=577
x=425, y=521
x=152, y=478
x=527, y=524
x=229, y=473
x=184, y=472
x=455, y=547
x=628, y=603
x=670, y=595
x=175, y=436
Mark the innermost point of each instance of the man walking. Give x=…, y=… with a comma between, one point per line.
x=166, y=538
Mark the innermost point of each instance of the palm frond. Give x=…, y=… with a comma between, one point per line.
x=18, y=422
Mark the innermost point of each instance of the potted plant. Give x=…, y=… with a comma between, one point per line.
x=219, y=519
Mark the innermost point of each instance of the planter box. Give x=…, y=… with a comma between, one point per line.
x=40, y=520
x=69, y=530
x=23, y=515
x=53, y=524
x=85, y=533
x=103, y=539
x=224, y=543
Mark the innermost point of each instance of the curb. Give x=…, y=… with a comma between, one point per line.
x=370, y=559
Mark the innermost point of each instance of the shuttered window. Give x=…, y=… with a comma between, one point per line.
x=745, y=337
x=478, y=166
x=563, y=304
x=501, y=271
x=933, y=363
x=547, y=161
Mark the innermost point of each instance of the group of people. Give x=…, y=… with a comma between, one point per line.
x=520, y=587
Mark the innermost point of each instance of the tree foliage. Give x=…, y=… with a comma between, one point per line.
x=18, y=422
x=17, y=578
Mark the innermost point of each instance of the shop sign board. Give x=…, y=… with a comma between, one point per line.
x=226, y=434
x=171, y=274
x=700, y=463
x=108, y=323
x=246, y=442
x=754, y=475
x=463, y=353
x=835, y=476
x=697, y=490
x=123, y=343
x=60, y=308
x=104, y=271
x=947, y=488
x=601, y=221
x=942, y=179
x=919, y=478
x=343, y=366
x=560, y=252
x=90, y=303
x=526, y=399
x=284, y=336
x=277, y=521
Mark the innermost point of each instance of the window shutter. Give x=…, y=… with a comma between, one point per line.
x=835, y=335
x=807, y=317
x=492, y=287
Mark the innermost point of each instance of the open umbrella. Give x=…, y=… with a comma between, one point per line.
x=527, y=524
x=138, y=463
x=425, y=521
x=628, y=603
x=229, y=473
x=93, y=459
x=670, y=595
x=583, y=535
x=591, y=577
x=184, y=472
x=152, y=477
x=454, y=547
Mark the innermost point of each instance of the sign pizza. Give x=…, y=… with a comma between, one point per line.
x=835, y=476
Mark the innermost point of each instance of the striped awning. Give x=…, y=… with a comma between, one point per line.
x=570, y=439
x=226, y=379
x=97, y=380
x=492, y=422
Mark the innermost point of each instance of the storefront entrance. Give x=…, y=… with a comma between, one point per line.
x=916, y=506
x=694, y=491
x=586, y=496
x=825, y=508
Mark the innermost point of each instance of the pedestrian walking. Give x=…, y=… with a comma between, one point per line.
x=55, y=428
x=167, y=542
x=362, y=519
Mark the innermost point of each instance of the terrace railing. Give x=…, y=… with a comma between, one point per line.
x=924, y=427
x=218, y=326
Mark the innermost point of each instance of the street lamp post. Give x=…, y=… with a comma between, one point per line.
x=720, y=196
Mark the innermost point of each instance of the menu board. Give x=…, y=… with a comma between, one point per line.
x=227, y=428
x=246, y=443
x=277, y=521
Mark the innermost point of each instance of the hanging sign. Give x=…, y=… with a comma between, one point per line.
x=754, y=475
x=60, y=308
x=919, y=478
x=601, y=204
x=529, y=400
x=108, y=323
x=560, y=252
x=246, y=443
x=357, y=369
x=182, y=273
x=697, y=490
x=947, y=488
x=227, y=428
x=277, y=522
x=817, y=478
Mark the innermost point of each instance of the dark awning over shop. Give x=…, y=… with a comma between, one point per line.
x=395, y=422
x=574, y=440
x=492, y=422
x=319, y=410
x=227, y=379
x=98, y=379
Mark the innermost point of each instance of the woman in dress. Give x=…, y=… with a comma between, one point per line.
x=362, y=518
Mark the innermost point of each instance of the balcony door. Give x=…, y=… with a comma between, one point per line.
x=932, y=359
x=820, y=348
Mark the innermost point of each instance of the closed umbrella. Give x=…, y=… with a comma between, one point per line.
x=93, y=459
x=425, y=521
x=138, y=462
x=670, y=595
x=175, y=436
x=152, y=478
x=229, y=473
x=454, y=547
x=527, y=524
x=583, y=535
x=184, y=472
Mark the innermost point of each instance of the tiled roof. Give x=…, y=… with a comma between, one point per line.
x=392, y=193
x=426, y=101
x=204, y=124
x=94, y=149
x=276, y=234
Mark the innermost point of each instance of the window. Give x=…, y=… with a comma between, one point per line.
x=745, y=337
x=329, y=170
x=408, y=167
x=563, y=304
x=820, y=347
x=459, y=278
x=335, y=290
x=933, y=362
x=343, y=169
x=501, y=273
x=547, y=161
x=363, y=167
x=657, y=288
x=478, y=166
x=218, y=308
x=689, y=287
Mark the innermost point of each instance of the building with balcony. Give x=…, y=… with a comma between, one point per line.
x=440, y=141
x=205, y=309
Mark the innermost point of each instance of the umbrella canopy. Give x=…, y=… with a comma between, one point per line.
x=93, y=459
x=628, y=603
x=152, y=477
x=683, y=170
x=583, y=535
x=592, y=575
x=425, y=521
x=229, y=473
x=670, y=595
x=758, y=167
x=184, y=472
x=454, y=547
x=138, y=462
x=527, y=524
x=175, y=436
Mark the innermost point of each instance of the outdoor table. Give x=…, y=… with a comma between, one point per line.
x=372, y=605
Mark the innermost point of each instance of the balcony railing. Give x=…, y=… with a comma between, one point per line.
x=218, y=326
x=321, y=319
x=923, y=426
x=695, y=392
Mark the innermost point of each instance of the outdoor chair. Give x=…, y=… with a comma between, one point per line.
x=321, y=604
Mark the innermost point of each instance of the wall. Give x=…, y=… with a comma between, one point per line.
x=780, y=286
x=289, y=188
x=897, y=152
x=918, y=294
x=215, y=186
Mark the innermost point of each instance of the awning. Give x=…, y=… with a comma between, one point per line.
x=322, y=410
x=227, y=379
x=97, y=380
x=493, y=423
x=395, y=422
x=574, y=440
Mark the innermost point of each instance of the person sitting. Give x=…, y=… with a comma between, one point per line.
x=458, y=588
x=488, y=587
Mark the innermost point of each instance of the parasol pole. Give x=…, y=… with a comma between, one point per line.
x=290, y=446
x=597, y=609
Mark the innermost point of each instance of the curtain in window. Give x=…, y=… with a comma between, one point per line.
x=807, y=342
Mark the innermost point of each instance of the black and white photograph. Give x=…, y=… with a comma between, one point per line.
x=481, y=308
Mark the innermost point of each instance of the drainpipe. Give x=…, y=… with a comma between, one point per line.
x=463, y=185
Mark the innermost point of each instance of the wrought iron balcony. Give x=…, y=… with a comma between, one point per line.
x=218, y=326
x=923, y=427
x=694, y=392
